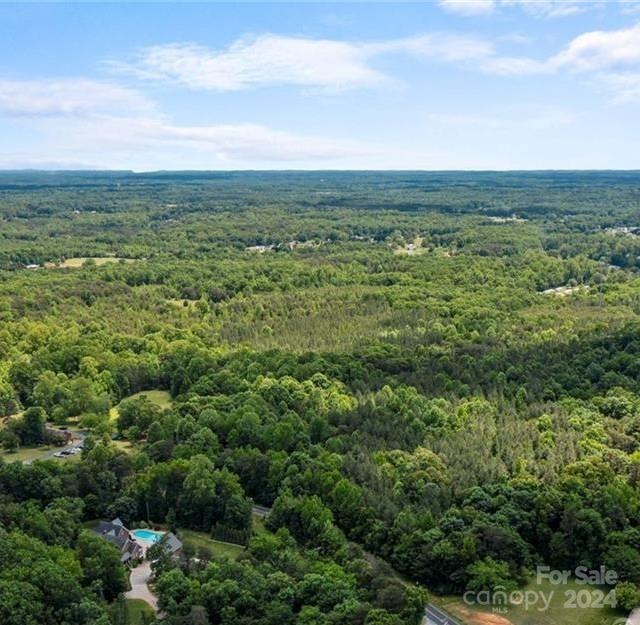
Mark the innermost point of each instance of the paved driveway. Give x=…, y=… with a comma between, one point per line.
x=435, y=616
x=260, y=511
x=139, y=579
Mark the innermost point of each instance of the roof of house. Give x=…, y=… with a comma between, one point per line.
x=117, y=534
x=114, y=532
x=173, y=542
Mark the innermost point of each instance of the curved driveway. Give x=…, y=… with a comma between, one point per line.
x=139, y=580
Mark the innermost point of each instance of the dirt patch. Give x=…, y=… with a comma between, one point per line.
x=478, y=618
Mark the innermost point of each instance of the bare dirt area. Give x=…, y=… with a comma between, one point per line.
x=478, y=618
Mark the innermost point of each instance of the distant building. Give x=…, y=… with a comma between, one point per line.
x=58, y=437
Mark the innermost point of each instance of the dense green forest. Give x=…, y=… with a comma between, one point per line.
x=431, y=380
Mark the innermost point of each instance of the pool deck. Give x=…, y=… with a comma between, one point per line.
x=145, y=543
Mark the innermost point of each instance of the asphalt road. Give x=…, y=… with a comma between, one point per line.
x=435, y=616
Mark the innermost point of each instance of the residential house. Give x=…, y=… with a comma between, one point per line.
x=117, y=534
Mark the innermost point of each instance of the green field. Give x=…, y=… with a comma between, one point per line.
x=79, y=261
x=138, y=612
x=44, y=452
x=200, y=540
x=37, y=452
x=161, y=398
x=257, y=524
x=28, y=454
x=558, y=612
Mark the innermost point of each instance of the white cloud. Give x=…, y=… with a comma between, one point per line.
x=87, y=138
x=68, y=96
x=552, y=8
x=538, y=8
x=515, y=66
x=469, y=7
x=447, y=47
x=264, y=60
x=630, y=6
x=81, y=117
x=509, y=120
x=601, y=49
x=330, y=65
x=281, y=60
x=611, y=57
x=228, y=141
x=624, y=85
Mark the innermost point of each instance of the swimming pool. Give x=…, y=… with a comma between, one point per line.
x=147, y=536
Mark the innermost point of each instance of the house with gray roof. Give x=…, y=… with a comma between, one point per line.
x=117, y=534
x=130, y=548
x=173, y=544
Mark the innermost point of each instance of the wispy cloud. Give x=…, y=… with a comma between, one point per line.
x=264, y=60
x=282, y=60
x=334, y=66
x=469, y=7
x=538, y=8
x=612, y=57
x=68, y=96
x=625, y=86
x=601, y=49
x=224, y=141
x=86, y=116
x=552, y=8
x=538, y=118
x=630, y=6
x=441, y=47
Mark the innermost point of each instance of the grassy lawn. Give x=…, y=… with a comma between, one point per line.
x=200, y=540
x=79, y=261
x=39, y=452
x=184, y=303
x=123, y=445
x=138, y=612
x=558, y=612
x=27, y=454
x=257, y=525
x=160, y=398
x=5, y=420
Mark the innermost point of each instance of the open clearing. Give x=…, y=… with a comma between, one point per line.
x=557, y=614
x=411, y=249
x=79, y=261
x=184, y=303
x=123, y=445
x=138, y=611
x=29, y=454
x=161, y=398
x=201, y=541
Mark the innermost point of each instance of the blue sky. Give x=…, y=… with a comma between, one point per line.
x=448, y=84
